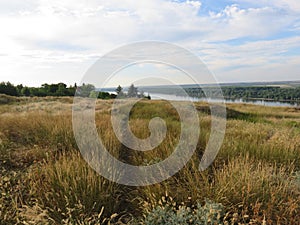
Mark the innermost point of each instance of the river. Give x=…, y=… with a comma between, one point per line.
x=237, y=101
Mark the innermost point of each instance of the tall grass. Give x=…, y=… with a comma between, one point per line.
x=39, y=128
x=70, y=189
x=255, y=175
x=259, y=190
x=261, y=141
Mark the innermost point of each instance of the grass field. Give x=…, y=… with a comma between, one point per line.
x=255, y=178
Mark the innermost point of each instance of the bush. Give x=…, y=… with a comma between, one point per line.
x=168, y=213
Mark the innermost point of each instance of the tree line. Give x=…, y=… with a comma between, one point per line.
x=61, y=89
x=268, y=93
x=132, y=92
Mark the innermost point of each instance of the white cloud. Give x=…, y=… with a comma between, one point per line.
x=268, y=59
x=50, y=36
x=289, y=5
x=234, y=22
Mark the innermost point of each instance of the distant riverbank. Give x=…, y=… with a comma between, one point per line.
x=265, y=102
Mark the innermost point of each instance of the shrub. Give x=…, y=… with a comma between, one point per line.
x=170, y=214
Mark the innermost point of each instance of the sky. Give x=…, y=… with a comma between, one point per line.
x=43, y=41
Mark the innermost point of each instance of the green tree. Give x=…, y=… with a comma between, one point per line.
x=8, y=89
x=19, y=89
x=94, y=94
x=62, y=89
x=25, y=91
x=132, y=91
x=85, y=90
x=119, y=90
x=104, y=95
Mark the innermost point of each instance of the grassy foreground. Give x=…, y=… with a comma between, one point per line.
x=44, y=180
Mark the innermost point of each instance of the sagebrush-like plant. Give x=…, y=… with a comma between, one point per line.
x=168, y=212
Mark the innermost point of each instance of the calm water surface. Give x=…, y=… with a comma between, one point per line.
x=238, y=101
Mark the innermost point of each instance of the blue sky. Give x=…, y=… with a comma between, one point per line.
x=243, y=40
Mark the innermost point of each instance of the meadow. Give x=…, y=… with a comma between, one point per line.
x=255, y=178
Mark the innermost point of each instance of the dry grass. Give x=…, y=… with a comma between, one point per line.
x=71, y=189
x=43, y=178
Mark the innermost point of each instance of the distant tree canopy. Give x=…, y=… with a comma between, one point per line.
x=131, y=93
x=8, y=89
x=59, y=89
x=85, y=90
x=101, y=95
x=252, y=92
x=119, y=90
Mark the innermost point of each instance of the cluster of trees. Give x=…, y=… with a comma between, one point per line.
x=59, y=89
x=271, y=93
x=101, y=95
x=274, y=93
x=131, y=93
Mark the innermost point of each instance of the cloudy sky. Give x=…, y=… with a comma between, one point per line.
x=58, y=40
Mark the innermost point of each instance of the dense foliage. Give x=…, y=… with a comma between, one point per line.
x=59, y=89
x=253, y=92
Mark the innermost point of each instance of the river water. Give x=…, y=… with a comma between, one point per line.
x=237, y=101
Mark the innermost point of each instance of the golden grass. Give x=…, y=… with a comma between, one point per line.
x=45, y=180
x=70, y=189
